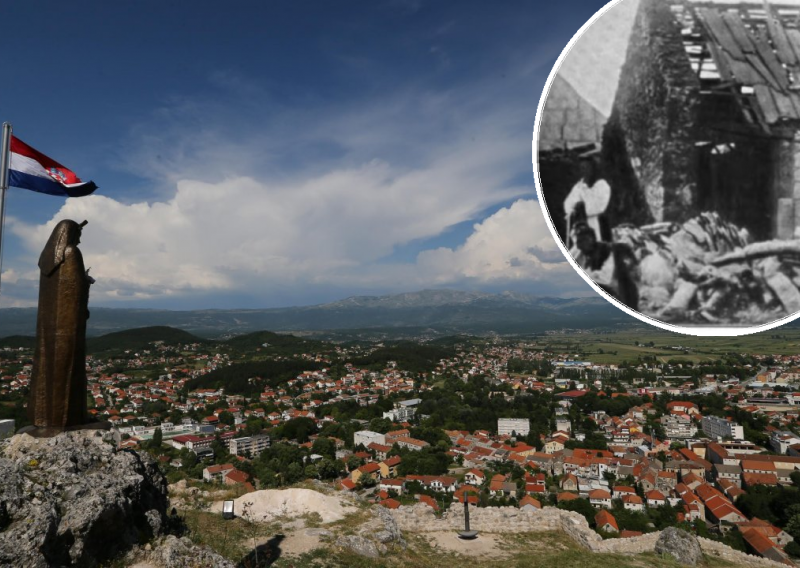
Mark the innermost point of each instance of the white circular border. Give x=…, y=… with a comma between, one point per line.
x=686, y=330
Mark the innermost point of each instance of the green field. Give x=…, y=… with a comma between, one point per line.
x=615, y=347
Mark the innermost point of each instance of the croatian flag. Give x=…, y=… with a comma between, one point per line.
x=30, y=169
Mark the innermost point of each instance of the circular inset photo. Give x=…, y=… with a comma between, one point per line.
x=667, y=159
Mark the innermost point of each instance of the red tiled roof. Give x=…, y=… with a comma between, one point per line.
x=758, y=541
x=604, y=518
x=599, y=494
x=237, y=476
x=212, y=469
x=528, y=500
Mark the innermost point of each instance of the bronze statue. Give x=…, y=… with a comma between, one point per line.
x=58, y=383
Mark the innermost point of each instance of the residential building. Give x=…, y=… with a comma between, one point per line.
x=782, y=440
x=606, y=522
x=367, y=437
x=250, y=445
x=716, y=428
x=678, y=426
x=217, y=472
x=509, y=426
x=403, y=410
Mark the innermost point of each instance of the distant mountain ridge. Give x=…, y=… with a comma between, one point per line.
x=439, y=311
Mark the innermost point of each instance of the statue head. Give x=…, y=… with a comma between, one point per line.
x=66, y=234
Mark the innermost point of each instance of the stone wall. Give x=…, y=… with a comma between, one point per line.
x=421, y=518
x=654, y=115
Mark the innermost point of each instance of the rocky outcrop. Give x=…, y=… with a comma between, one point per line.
x=74, y=500
x=174, y=552
x=376, y=537
x=681, y=545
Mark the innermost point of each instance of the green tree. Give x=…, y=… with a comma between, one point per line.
x=581, y=506
x=226, y=417
x=353, y=462
x=158, y=437
x=793, y=527
x=324, y=447
x=327, y=469
x=381, y=425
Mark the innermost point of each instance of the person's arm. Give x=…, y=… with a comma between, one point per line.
x=575, y=196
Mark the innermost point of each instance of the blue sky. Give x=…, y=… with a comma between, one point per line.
x=263, y=154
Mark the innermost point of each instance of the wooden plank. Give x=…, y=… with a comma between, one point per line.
x=785, y=218
x=767, y=104
x=743, y=71
x=758, y=68
x=785, y=106
x=739, y=32
x=794, y=39
x=783, y=48
x=771, y=61
x=720, y=61
x=795, y=98
x=720, y=32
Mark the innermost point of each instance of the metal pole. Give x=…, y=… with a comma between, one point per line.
x=5, y=158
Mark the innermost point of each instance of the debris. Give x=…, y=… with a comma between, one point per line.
x=706, y=271
x=760, y=250
x=787, y=292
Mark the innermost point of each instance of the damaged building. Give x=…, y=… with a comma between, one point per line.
x=707, y=116
x=570, y=125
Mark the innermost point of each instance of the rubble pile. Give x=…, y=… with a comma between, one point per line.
x=707, y=271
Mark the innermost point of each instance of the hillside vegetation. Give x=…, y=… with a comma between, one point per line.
x=139, y=338
x=251, y=378
x=408, y=355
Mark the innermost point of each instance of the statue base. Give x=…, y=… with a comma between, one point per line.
x=50, y=431
x=467, y=535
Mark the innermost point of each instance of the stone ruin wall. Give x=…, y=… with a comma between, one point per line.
x=786, y=221
x=421, y=518
x=654, y=114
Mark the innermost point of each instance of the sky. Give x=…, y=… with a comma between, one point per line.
x=259, y=154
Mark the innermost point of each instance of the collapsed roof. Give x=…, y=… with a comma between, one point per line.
x=748, y=51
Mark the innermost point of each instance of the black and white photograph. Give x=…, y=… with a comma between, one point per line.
x=667, y=157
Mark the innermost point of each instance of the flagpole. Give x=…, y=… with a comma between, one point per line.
x=5, y=158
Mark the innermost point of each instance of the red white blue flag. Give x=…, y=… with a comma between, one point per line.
x=30, y=169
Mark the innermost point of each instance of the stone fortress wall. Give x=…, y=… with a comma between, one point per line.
x=421, y=518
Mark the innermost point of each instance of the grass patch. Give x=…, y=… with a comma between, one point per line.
x=229, y=538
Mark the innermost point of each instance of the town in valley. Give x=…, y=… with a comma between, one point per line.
x=635, y=435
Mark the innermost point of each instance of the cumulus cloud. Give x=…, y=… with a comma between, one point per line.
x=265, y=197
x=204, y=240
x=227, y=235
x=511, y=245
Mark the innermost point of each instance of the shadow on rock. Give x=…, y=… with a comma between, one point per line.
x=264, y=554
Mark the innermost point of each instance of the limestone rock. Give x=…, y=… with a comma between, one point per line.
x=73, y=500
x=376, y=537
x=174, y=552
x=389, y=532
x=681, y=545
x=360, y=545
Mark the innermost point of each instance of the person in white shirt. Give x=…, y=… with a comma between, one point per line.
x=591, y=191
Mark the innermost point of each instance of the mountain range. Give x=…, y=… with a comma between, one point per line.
x=430, y=312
